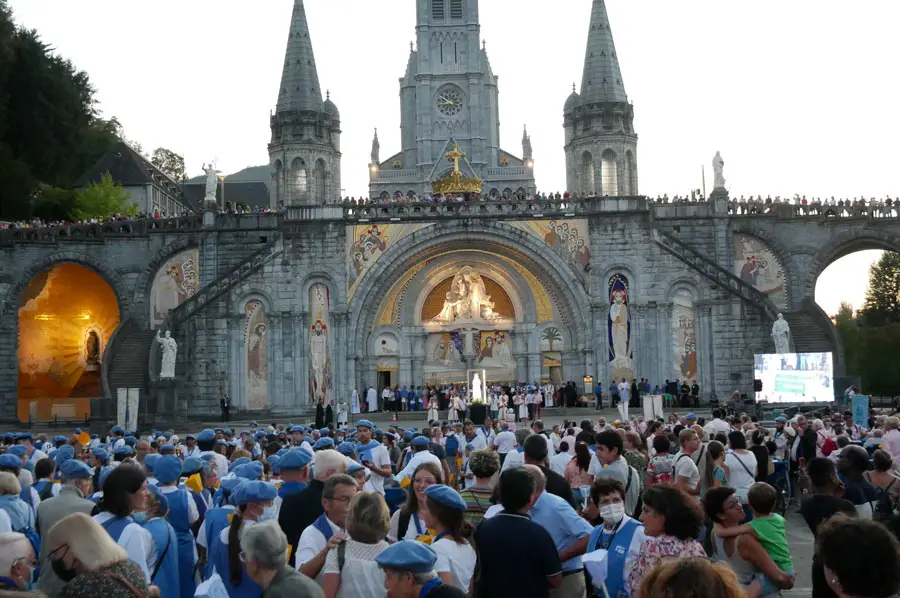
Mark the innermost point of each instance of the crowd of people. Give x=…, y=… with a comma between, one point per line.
x=662, y=508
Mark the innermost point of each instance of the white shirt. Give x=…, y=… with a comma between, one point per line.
x=550, y=450
x=382, y=459
x=513, y=459
x=559, y=461
x=194, y=452
x=505, y=442
x=136, y=541
x=488, y=435
x=493, y=510
x=738, y=478
x=624, y=388
x=361, y=575
x=456, y=559
x=412, y=532
x=311, y=543
x=416, y=460
x=715, y=426
x=686, y=468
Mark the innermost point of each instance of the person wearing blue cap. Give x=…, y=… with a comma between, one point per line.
x=190, y=448
x=183, y=514
x=358, y=473
x=323, y=443
x=409, y=572
x=13, y=462
x=446, y=516
x=294, y=470
x=206, y=441
x=196, y=474
x=125, y=492
x=780, y=438
x=217, y=519
x=373, y=455
x=166, y=570
x=327, y=531
x=32, y=454
x=150, y=462
x=255, y=502
x=44, y=469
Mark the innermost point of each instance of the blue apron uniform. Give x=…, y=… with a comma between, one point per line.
x=618, y=552
x=180, y=522
x=167, y=572
x=247, y=588
x=115, y=526
x=216, y=520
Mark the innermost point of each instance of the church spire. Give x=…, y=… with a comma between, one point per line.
x=299, y=80
x=602, y=78
x=375, y=148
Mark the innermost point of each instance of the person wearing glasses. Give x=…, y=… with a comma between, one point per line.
x=18, y=564
x=327, y=531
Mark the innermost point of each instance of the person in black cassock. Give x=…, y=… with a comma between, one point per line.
x=320, y=415
x=329, y=415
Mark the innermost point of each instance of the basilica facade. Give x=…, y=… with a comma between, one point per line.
x=279, y=311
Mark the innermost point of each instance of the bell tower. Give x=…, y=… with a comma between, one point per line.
x=305, y=150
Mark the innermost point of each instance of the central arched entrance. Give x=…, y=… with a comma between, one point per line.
x=417, y=324
x=67, y=315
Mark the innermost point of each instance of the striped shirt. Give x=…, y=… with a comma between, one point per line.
x=478, y=500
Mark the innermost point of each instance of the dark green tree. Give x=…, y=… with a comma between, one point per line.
x=852, y=337
x=170, y=163
x=883, y=295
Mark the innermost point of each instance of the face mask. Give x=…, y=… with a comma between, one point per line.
x=613, y=513
x=64, y=573
x=140, y=517
x=268, y=514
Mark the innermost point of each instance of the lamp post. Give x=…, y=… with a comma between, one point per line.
x=222, y=176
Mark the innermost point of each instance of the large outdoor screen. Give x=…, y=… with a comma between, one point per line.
x=795, y=377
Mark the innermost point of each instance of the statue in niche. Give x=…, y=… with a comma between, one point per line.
x=781, y=335
x=477, y=394
x=91, y=351
x=467, y=298
x=169, y=351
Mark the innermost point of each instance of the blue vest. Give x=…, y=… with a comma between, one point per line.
x=216, y=521
x=179, y=520
x=25, y=495
x=115, y=526
x=247, y=588
x=39, y=487
x=167, y=574
x=288, y=488
x=321, y=524
x=618, y=553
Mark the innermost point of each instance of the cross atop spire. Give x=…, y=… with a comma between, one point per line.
x=299, y=80
x=602, y=78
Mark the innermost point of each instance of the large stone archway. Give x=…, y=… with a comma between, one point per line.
x=540, y=288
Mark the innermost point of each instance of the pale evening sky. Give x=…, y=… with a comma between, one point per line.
x=799, y=96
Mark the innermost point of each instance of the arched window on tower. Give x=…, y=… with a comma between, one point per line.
x=319, y=181
x=587, y=175
x=299, y=181
x=609, y=179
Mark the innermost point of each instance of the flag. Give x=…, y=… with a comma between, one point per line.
x=84, y=438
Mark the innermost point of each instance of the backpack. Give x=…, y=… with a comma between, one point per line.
x=884, y=506
x=452, y=445
x=828, y=446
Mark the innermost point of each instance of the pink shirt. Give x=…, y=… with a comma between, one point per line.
x=891, y=442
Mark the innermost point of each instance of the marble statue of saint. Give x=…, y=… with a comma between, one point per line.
x=477, y=395
x=781, y=334
x=718, y=165
x=212, y=182
x=478, y=298
x=618, y=315
x=169, y=350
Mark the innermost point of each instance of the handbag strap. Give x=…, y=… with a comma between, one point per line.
x=747, y=469
x=127, y=584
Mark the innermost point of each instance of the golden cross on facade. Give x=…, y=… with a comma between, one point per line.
x=455, y=155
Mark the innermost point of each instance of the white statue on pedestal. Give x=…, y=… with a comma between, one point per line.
x=781, y=334
x=477, y=395
x=718, y=165
x=169, y=350
x=212, y=182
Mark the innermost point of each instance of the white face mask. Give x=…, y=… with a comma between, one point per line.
x=612, y=513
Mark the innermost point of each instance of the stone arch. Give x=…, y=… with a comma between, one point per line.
x=254, y=294
x=402, y=341
x=627, y=269
x=336, y=294
x=140, y=301
x=588, y=176
x=683, y=283
x=319, y=181
x=490, y=235
x=609, y=175
x=299, y=181
x=538, y=332
x=844, y=244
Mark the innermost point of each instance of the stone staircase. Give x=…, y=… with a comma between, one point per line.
x=812, y=330
x=126, y=366
x=716, y=273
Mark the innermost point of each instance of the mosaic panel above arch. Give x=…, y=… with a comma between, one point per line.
x=391, y=307
x=756, y=264
x=366, y=243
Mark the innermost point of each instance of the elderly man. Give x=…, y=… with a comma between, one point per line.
x=18, y=567
x=77, y=485
x=265, y=549
x=409, y=572
x=327, y=531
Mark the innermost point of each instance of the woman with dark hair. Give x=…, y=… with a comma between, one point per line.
x=254, y=502
x=765, y=467
x=870, y=569
x=577, y=471
x=882, y=478
x=744, y=554
x=672, y=521
x=455, y=555
x=408, y=522
x=125, y=492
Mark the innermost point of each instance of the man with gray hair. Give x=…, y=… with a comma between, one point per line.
x=17, y=562
x=265, y=549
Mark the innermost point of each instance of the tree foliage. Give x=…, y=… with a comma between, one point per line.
x=50, y=130
x=883, y=295
x=170, y=163
x=103, y=200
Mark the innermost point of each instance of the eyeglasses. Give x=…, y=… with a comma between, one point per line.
x=343, y=499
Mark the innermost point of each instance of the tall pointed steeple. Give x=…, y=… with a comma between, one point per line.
x=602, y=77
x=299, y=80
x=305, y=150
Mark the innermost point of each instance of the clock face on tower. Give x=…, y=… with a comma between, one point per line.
x=449, y=101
